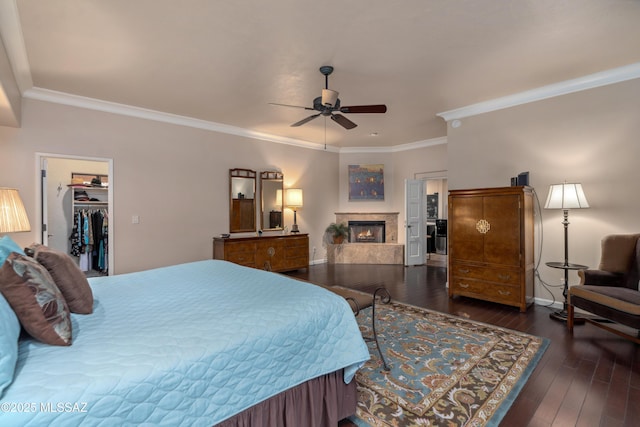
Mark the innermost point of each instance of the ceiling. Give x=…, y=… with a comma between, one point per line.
x=225, y=61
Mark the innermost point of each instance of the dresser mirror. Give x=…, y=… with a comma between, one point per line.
x=242, y=200
x=271, y=206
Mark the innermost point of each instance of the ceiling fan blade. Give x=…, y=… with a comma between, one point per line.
x=364, y=109
x=303, y=121
x=292, y=106
x=343, y=121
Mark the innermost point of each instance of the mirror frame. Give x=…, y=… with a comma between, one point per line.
x=240, y=207
x=270, y=176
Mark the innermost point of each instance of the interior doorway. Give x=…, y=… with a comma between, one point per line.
x=58, y=202
x=436, y=213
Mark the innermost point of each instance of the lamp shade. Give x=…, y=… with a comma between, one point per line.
x=13, y=216
x=293, y=198
x=329, y=97
x=566, y=196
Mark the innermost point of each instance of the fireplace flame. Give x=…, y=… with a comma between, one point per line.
x=363, y=234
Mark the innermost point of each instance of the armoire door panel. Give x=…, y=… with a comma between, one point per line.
x=465, y=242
x=502, y=241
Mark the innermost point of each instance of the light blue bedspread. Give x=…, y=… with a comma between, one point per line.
x=191, y=345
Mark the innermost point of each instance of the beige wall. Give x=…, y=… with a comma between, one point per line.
x=174, y=178
x=589, y=137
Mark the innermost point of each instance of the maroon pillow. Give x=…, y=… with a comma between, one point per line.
x=68, y=278
x=34, y=297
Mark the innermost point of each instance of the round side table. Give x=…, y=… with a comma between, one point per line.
x=562, y=315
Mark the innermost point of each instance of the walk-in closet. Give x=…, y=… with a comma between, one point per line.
x=76, y=211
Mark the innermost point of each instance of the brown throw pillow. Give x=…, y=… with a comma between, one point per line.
x=34, y=297
x=68, y=278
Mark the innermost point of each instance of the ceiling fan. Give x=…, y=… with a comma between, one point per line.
x=329, y=105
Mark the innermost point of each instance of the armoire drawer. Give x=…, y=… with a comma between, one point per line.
x=497, y=292
x=488, y=273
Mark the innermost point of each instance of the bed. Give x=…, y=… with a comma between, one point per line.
x=196, y=344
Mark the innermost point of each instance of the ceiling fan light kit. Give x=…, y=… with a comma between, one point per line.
x=329, y=103
x=329, y=97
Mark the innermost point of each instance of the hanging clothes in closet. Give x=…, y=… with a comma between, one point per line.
x=89, y=238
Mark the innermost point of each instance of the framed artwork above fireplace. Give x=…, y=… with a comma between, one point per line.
x=366, y=182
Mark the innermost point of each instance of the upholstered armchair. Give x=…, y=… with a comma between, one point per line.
x=611, y=292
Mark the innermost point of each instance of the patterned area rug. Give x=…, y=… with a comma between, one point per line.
x=445, y=370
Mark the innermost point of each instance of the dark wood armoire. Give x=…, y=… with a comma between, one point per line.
x=491, y=245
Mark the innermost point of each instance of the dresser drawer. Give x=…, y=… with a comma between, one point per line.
x=270, y=254
x=297, y=254
x=296, y=251
x=296, y=262
x=491, y=274
x=241, y=253
x=243, y=258
x=496, y=292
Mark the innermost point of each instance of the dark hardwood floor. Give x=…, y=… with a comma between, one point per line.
x=589, y=379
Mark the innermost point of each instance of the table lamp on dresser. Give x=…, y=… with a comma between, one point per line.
x=294, y=202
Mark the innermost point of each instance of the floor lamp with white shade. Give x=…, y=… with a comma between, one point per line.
x=565, y=196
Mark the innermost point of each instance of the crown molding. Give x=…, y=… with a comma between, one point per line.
x=615, y=75
x=56, y=97
x=396, y=148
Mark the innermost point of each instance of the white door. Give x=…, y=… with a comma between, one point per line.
x=415, y=247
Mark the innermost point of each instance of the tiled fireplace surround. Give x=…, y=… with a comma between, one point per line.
x=389, y=252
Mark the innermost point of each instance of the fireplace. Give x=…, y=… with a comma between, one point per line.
x=378, y=242
x=366, y=231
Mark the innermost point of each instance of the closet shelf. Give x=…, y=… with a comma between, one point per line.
x=91, y=203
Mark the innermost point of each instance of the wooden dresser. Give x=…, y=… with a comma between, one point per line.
x=273, y=253
x=491, y=245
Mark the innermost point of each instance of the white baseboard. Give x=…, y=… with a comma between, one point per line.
x=548, y=303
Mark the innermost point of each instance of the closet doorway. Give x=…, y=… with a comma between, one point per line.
x=59, y=203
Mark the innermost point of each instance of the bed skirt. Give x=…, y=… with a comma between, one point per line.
x=320, y=402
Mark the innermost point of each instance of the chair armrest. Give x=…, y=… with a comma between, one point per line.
x=600, y=277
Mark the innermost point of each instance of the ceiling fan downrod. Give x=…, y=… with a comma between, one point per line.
x=329, y=97
x=326, y=70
